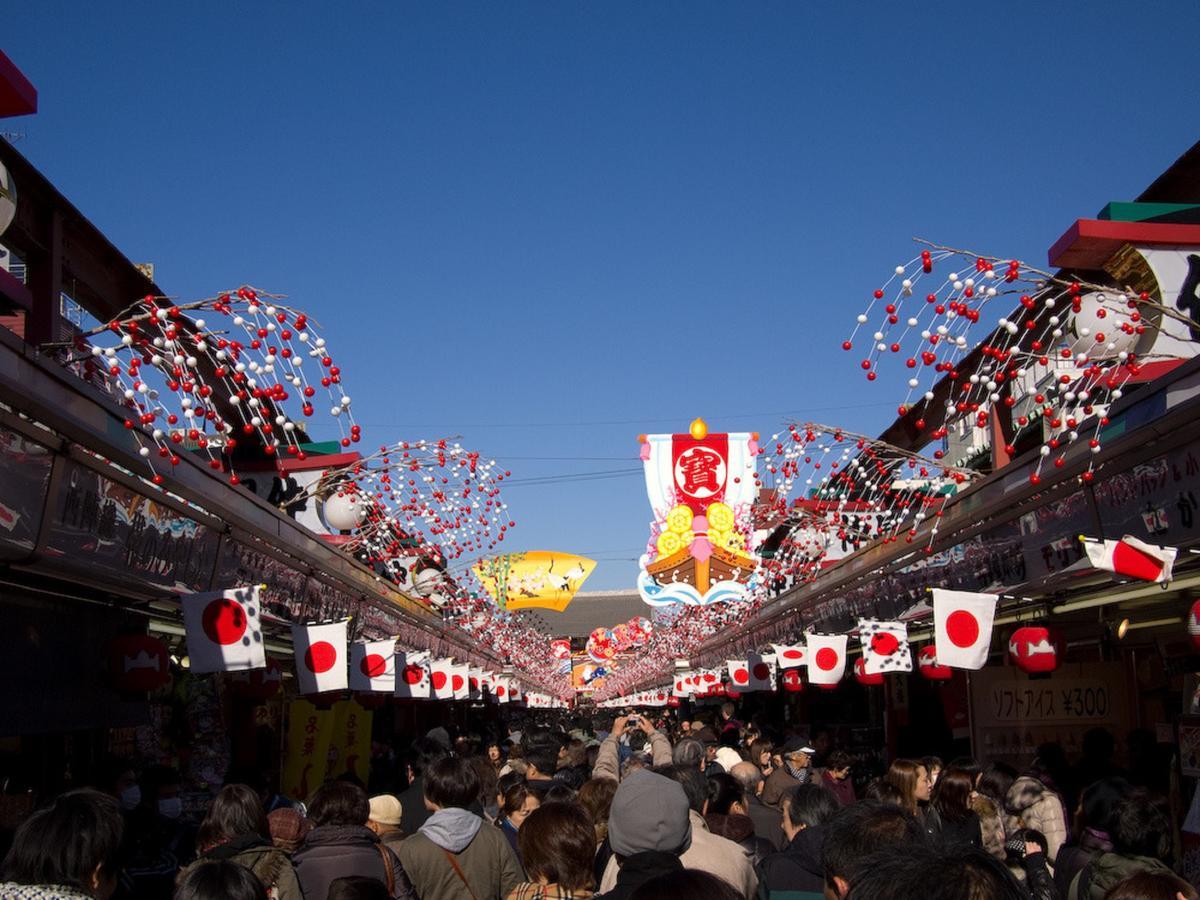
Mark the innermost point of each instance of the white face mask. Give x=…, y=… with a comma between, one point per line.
x=130, y=797
x=170, y=807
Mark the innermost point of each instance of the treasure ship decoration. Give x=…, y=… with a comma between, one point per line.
x=702, y=488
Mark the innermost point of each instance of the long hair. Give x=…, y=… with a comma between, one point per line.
x=236, y=811
x=952, y=795
x=558, y=843
x=903, y=775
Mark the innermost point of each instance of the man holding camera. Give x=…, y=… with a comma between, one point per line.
x=608, y=762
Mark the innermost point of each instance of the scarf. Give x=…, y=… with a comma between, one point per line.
x=804, y=776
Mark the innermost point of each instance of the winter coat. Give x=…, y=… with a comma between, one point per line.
x=1072, y=857
x=1039, y=883
x=10, y=890
x=843, y=790
x=413, y=813
x=776, y=786
x=1030, y=804
x=709, y=852
x=270, y=865
x=796, y=870
x=991, y=825
x=637, y=870
x=768, y=822
x=740, y=829
x=335, y=851
x=392, y=839
x=481, y=851
x=1106, y=870
x=954, y=833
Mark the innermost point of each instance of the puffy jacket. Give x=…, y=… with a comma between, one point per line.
x=1030, y=804
x=270, y=865
x=480, y=850
x=1103, y=873
x=334, y=851
x=991, y=825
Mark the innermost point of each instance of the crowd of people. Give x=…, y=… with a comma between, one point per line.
x=702, y=810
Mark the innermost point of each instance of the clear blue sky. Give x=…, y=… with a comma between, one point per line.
x=551, y=226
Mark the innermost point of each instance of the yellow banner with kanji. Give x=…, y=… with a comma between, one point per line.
x=306, y=757
x=351, y=744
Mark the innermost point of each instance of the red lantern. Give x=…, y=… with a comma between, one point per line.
x=732, y=694
x=371, y=699
x=861, y=676
x=791, y=681
x=1034, y=649
x=259, y=684
x=928, y=666
x=137, y=663
x=672, y=702
x=1193, y=624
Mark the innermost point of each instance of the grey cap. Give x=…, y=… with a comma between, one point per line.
x=649, y=812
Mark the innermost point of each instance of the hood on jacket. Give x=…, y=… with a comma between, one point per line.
x=1110, y=868
x=339, y=835
x=734, y=826
x=452, y=829
x=641, y=867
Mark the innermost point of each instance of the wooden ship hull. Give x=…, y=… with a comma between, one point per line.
x=681, y=566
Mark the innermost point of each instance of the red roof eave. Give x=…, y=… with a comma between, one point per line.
x=1090, y=243
x=18, y=96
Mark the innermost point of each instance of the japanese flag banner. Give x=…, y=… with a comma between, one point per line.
x=885, y=647
x=320, y=657
x=501, y=689
x=412, y=674
x=962, y=627
x=789, y=656
x=516, y=693
x=439, y=674
x=460, y=682
x=826, y=658
x=1132, y=558
x=752, y=674
x=373, y=666
x=487, y=682
x=224, y=631
x=474, y=683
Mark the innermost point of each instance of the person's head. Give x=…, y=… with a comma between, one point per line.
x=689, y=752
x=495, y=753
x=749, y=776
x=970, y=765
x=1142, y=827
x=596, y=797
x=558, y=846
x=424, y=753
x=541, y=752
x=574, y=755
x=726, y=797
x=236, y=812
x=385, y=814
x=883, y=791
x=288, y=828
x=806, y=806
x=649, y=812
x=117, y=777
x=160, y=791
x=220, y=879
x=727, y=710
x=797, y=753
x=933, y=767
x=995, y=782
x=1152, y=886
x=1098, y=804
x=450, y=782
x=75, y=841
x=686, y=884
x=357, y=887
x=912, y=781
x=760, y=752
x=857, y=832
x=693, y=782
x=339, y=803
x=837, y=765
x=900, y=873
x=952, y=795
x=519, y=801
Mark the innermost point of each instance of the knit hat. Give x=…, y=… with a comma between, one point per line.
x=649, y=812
x=727, y=758
x=288, y=828
x=385, y=809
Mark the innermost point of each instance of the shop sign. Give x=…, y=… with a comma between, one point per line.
x=101, y=527
x=1157, y=501
x=241, y=562
x=24, y=477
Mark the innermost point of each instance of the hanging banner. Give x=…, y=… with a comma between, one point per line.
x=534, y=579
x=306, y=754
x=701, y=487
x=373, y=666
x=320, y=654
x=224, y=631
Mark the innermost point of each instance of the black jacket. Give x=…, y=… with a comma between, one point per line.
x=768, y=823
x=798, y=866
x=638, y=869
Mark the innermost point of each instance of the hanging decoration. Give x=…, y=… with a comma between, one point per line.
x=413, y=674
x=701, y=487
x=538, y=579
x=791, y=681
x=826, y=659
x=1034, y=649
x=962, y=623
x=1132, y=558
x=755, y=673
x=137, y=663
x=1193, y=624
x=259, y=684
x=884, y=647
x=224, y=630
x=320, y=651
x=863, y=677
x=373, y=666
x=929, y=666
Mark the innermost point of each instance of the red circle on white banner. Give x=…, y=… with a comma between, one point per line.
x=826, y=659
x=741, y=676
x=962, y=628
x=373, y=665
x=439, y=680
x=413, y=674
x=320, y=657
x=499, y=690
x=762, y=671
x=224, y=621
x=456, y=682
x=884, y=643
x=793, y=654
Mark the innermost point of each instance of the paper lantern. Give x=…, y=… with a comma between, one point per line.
x=344, y=510
x=8, y=199
x=732, y=694
x=1102, y=313
x=928, y=666
x=258, y=684
x=673, y=702
x=137, y=663
x=791, y=681
x=1034, y=649
x=861, y=676
x=1193, y=624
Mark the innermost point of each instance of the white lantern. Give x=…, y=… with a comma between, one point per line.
x=1102, y=313
x=8, y=199
x=344, y=511
x=427, y=581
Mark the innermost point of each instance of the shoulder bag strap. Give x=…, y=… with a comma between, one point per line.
x=388, y=867
x=459, y=872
